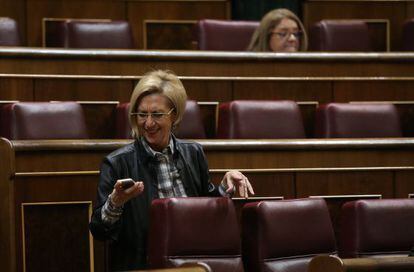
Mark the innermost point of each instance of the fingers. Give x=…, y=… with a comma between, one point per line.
x=235, y=178
x=120, y=195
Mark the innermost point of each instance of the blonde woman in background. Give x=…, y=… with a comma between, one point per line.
x=280, y=30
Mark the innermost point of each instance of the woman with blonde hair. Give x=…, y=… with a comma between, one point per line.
x=280, y=30
x=155, y=165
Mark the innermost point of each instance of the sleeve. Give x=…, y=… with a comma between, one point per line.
x=209, y=188
x=104, y=230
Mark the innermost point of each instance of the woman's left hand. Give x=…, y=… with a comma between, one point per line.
x=233, y=180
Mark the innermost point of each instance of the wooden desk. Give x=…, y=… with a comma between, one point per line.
x=57, y=179
x=204, y=63
x=335, y=264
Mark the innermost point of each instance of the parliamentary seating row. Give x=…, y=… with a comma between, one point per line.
x=279, y=235
x=219, y=35
x=52, y=183
x=240, y=119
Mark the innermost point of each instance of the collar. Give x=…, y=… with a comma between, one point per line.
x=152, y=153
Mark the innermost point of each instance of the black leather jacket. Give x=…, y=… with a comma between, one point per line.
x=127, y=248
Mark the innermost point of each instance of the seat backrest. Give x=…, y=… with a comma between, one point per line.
x=43, y=120
x=259, y=119
x=224, y=35
x=340, y=35
x=407, y=43
x=284, y=235
x=191, y=126
x=112, y=34
x=194, y=229
x=382, y=227
x=344, y=120
x=9, y=32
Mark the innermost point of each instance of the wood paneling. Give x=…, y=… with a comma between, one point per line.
x=169, y=34
x=68, y=224
x=202, y=63
x=346, y=183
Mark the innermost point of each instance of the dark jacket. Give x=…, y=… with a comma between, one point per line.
x=127, y=246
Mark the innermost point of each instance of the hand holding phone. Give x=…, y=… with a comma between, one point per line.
x=126, y=183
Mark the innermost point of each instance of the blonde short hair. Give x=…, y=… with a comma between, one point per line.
x=158, y=82
x=261, y=36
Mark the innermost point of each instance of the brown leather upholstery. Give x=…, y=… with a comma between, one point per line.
x=191, y=126
x=258, y=119
x=222, y=35
x=340, y=35
x=283, y=236
x=194, y=229
x=382, y=227
x=9, y=32
x=343, y=120
x=113, y=34
x=407, y=42
x=43, y=120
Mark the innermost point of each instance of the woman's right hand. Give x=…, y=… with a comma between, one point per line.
x=120, y=196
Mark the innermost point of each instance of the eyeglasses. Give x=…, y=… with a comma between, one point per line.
x=286, y=34
x=156, y=116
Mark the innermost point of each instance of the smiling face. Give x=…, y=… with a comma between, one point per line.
x=156, y=132
x=284, y=37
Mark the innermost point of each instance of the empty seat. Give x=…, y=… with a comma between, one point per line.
x=43, y=120
x=222, y=35
x=9, y=32
x=407, y=43
x=340, y=35
x=283, y=236
x=344, y=120
x=375, y=228
x=191, y=126
x=258, y=119
x=194, y=229
x=87, y=33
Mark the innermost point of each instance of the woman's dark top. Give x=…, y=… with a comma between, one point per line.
x=127, y=237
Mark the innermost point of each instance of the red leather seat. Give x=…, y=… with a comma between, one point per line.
x=340, y=35
x=258, y=119
x=344, y=120
x=9, y=32
x=191, y=126
x=407, y=43
x=283, y=236
x=112, y=34
x=43, y=120
x=194, y=229
x=223, y=35
x=375, y=228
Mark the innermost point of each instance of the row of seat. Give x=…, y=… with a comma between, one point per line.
x=280, y=236
x=223, y=35
x=240, y=119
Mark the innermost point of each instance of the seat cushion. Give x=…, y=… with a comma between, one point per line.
x=223, y=35
x=258, y=119
x=195, y=229
x=340, y=35
x=380, y=227
x=43, y=120
x=285, y=235
x=9, y=32
x=113, y=34
x=343, y=120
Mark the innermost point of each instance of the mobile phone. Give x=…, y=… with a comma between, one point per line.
x=126, y=183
